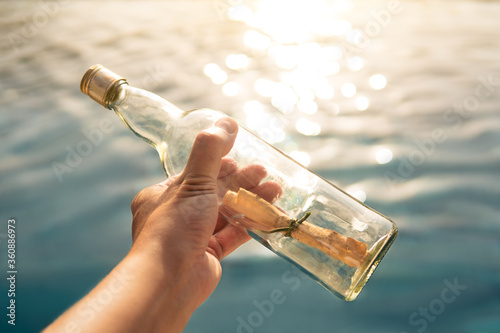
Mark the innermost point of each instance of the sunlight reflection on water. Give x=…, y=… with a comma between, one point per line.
x=381, y=115
x=298, y=40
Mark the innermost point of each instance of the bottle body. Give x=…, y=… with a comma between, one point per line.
x=330, y=211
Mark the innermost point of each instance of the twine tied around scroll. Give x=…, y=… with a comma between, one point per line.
x=294, y=224
x=262, y=216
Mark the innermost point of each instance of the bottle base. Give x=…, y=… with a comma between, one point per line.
x=365, y=272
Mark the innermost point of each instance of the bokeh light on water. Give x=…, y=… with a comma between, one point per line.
x=378, y=97
x=304, y=41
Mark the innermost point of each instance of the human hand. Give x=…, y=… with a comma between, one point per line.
x=177, y=222
x=179, y=238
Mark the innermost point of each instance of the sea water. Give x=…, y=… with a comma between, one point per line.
x=395, y=102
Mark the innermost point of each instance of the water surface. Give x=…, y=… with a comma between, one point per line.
x=402, y=111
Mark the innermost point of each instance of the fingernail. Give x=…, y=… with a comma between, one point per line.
x=227, y=124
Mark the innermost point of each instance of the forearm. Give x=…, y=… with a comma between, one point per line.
x=178, y=241
x=138, y=295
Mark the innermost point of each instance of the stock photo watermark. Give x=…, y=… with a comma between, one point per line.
x=263, y=309
x=357, y=40
x=155, y=76
x=428, y=314
x=360, y=40
x=222, y=7
x=88, y=309
x=454, y=118
x=11, y=271
x=244, y=145
x=33, y=23
x=75, y=155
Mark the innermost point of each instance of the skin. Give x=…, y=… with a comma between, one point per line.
x=179, y=239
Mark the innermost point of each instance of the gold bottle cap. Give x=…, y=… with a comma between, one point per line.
x=99, y=83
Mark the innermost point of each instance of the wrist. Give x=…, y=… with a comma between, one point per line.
x=161, y=289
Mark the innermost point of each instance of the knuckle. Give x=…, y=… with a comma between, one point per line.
x=195, y=185
x=139, y=198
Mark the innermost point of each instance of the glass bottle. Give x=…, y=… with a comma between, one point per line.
x=326, y=246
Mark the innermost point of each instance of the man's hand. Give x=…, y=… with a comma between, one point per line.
x=179, y=238
x=178, y=221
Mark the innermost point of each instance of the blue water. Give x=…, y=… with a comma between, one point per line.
x=423, y=148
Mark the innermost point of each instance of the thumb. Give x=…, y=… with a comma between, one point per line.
x=209, y=147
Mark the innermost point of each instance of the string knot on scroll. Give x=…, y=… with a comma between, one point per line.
x=294, y=224
x=262, y=215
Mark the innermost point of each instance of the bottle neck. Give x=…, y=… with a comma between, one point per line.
x=149, y=116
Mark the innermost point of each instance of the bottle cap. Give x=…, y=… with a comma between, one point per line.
x=99, y=83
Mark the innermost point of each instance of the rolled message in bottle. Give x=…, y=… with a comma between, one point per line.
x=267, y=217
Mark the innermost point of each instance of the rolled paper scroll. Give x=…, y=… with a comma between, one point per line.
x=265, y=217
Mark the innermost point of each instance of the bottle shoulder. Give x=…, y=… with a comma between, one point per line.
x=191, y=122
x=179, y=137
x=206, y=113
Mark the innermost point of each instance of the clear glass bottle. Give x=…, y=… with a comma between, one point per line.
x=172, y=131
